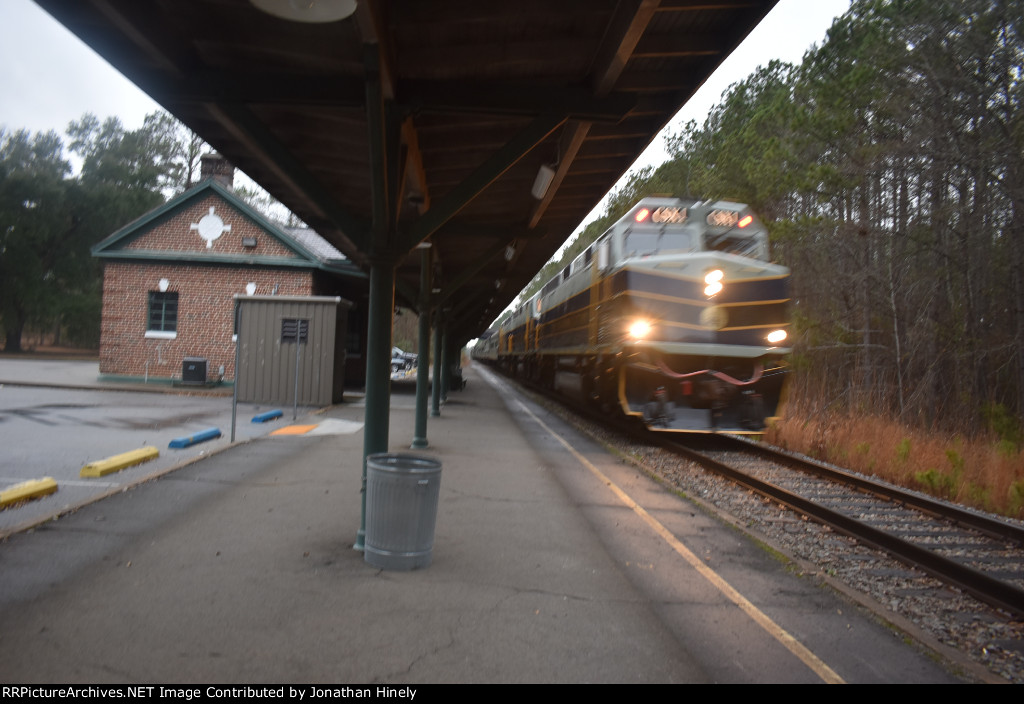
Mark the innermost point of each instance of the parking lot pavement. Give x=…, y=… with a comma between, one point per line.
x=61, y=373
x=55, y=431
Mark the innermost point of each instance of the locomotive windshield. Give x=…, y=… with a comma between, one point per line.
x=638, y=243
x=732, y=229
x=665, y=226
x=743, y=244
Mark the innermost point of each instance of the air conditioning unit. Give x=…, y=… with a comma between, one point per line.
x=193, y=370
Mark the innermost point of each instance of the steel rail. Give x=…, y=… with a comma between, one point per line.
x=991, y=527
x=987, y=589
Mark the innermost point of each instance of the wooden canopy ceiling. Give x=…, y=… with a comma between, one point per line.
x=426, y=120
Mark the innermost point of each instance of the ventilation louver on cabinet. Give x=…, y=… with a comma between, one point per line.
x=294, y=330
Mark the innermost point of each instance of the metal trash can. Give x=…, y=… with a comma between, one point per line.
x=402, y=493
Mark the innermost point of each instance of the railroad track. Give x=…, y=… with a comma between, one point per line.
x=979, y=554
x=958, y=624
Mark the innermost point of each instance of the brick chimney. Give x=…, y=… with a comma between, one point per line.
x=219, y=169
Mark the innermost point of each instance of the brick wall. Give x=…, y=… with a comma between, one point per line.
x=205, y=314
x=175, y=234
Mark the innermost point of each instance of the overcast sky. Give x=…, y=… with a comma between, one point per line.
x=49, y=78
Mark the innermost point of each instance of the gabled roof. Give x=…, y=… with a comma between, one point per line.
x=316, y=244
x=310, y=250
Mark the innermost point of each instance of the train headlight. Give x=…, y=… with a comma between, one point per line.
x=639, y=329
x=776, y=336
x=713, y=279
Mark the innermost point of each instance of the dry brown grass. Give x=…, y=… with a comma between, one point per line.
x=981, y=472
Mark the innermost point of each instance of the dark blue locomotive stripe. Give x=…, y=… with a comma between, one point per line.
x=573, y=330
x=673, y=304
x=575, y=303
x=752, y=314
x=566, y=324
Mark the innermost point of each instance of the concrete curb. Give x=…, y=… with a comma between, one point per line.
x=101, y=468
x=32, y=489
x=195, y=438
x=268, y=416
x=32, y=523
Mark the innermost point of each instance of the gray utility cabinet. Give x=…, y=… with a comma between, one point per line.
x=272, y=330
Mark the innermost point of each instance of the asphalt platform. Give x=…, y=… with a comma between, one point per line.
x=240, y=568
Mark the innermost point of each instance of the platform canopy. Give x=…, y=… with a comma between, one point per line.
x=425, y=120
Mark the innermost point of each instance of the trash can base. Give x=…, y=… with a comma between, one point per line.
x=401, y=561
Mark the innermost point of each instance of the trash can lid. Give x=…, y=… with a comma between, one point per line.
x=403, y=462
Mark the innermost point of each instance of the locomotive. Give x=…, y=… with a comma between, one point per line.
x=675, y=315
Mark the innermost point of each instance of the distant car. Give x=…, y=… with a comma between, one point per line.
x=402, y=361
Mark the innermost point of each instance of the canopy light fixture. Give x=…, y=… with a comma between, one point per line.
x=311, y=11
x=545, y=174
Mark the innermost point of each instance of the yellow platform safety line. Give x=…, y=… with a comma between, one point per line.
x=788, y=641
x=32, y=489
x=101, y=468
x=294, y=430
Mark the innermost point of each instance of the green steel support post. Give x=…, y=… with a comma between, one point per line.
x=419, y=439
x=446, y=374
x=378, y=370
x=435, y=388
x=383, y=142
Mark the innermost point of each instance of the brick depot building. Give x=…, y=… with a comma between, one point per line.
x=170, y=277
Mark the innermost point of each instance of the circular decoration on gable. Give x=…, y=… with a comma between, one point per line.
x=211, y=227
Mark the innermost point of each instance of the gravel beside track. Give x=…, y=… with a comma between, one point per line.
x=981, y=642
